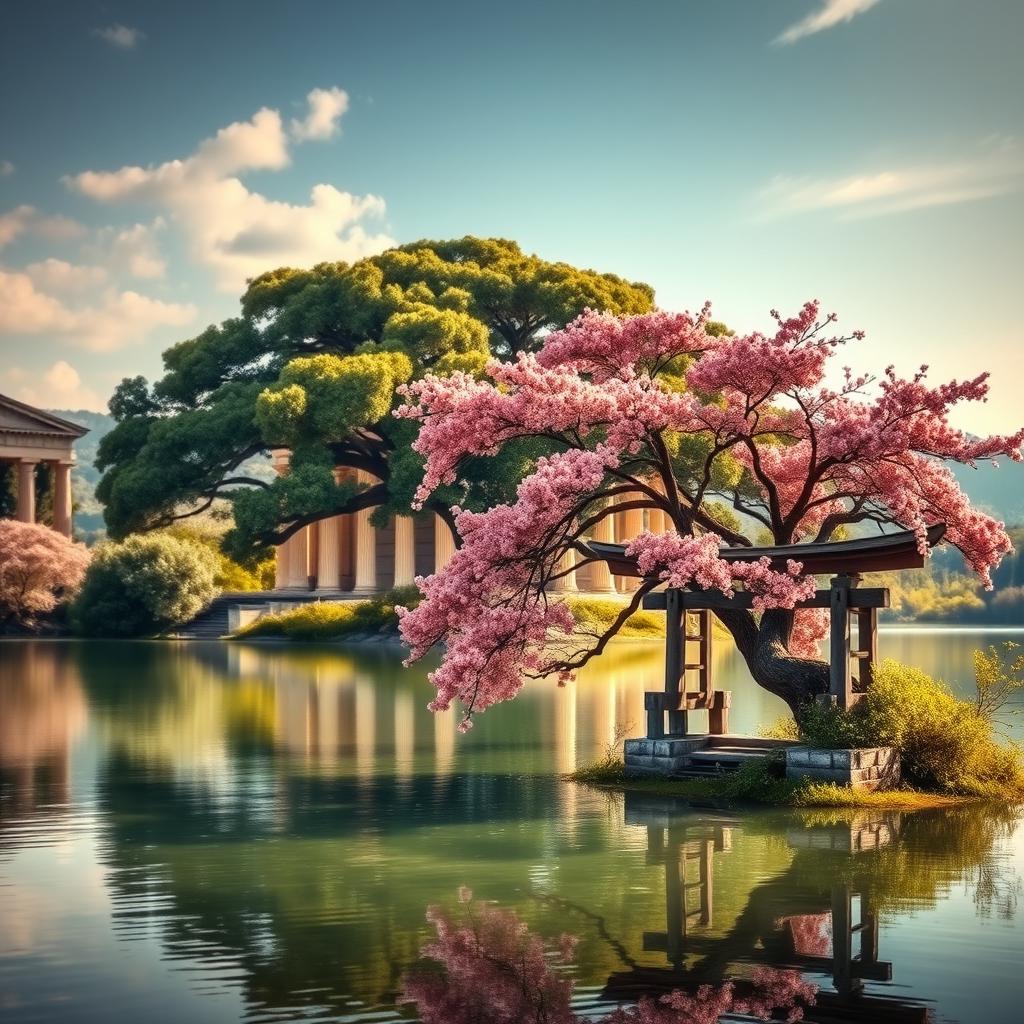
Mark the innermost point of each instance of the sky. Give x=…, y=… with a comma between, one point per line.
x=756, y=153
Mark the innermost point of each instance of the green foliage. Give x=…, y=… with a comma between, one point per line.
x=144, y=586
x=944, y=743
x=999, y=677
x=333, y=620
x=232, y=576
x=596, y=615
x=313, y=363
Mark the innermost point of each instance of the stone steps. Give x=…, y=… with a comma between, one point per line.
x=697, y=756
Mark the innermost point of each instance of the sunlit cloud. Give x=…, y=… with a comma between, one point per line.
x=100, y=323
x=323, y=120
x=121, y=36
x=830, y=14
x=239, y=233
x=27, y=220
x=6, y=168
x=60, y=386
x=999, y=170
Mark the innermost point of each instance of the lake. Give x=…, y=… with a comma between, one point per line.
x=211, y=832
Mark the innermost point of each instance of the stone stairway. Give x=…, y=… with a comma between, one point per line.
x=697, y=756
x=212, y=622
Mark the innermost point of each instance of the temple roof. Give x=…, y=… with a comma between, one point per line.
x=18, y=418
x=863, y=554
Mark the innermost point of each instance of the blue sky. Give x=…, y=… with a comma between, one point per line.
x=869, y=153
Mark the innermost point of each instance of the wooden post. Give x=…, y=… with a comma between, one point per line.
x=867, y=646
x=842, y=942
x=675, y=656
x=839, y=640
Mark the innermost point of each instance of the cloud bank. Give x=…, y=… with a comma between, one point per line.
x=238, y=233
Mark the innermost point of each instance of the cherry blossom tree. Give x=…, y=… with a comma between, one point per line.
x=494, y=970
x=737, y=439
x=38, y=568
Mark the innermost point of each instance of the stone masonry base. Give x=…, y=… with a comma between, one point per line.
x=864, y=768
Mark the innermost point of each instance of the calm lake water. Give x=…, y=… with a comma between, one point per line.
x=210, y=832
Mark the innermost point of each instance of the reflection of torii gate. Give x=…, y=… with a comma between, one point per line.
x=848, y=604
x=687, y=850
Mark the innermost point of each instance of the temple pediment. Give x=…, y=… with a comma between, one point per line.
x=17, y=417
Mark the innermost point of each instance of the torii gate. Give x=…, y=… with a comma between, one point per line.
x=844, y=561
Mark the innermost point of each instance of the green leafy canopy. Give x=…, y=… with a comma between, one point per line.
x=312, y=364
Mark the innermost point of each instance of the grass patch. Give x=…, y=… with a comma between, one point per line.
x=595, y=615
x=759, y=782
x=332, y=620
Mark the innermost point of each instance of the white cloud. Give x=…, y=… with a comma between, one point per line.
x=59, y=387
x=997, y=170
x=55, y=275
x=27, y=220
x=232, y=230
x=323, y=121
x=121, y=36
x=6, y=167
x=132, y=250
x=831, y=13
x=120, y=318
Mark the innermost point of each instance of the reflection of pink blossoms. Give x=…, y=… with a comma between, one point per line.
x=654, y=412
x=495, y=971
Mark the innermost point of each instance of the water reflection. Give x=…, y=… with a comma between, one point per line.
x=226, y=833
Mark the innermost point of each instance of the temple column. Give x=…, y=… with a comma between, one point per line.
x=26, y=491
x=365, y=546
x=328, y=570
x=629, y=526
x=282, y=553
x=601, y=581
x=62, y=497
x=565, y=584
x=405, y=551
x=281, y=566
x=298, y=559
x=444, y=544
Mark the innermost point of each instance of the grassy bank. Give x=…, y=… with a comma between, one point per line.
x=326, y=621
x=759, y=784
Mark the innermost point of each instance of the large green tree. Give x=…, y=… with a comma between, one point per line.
x=312, y=364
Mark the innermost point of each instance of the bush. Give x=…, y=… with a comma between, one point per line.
x=257, y=574
x=39, y=569
x=944, y=743
x=144, y=586
x=334, y=620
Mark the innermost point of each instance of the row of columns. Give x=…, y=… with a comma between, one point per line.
x=26, y=508
x=340, y=552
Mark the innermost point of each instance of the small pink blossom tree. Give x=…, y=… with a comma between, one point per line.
x=38, y=568
x=736, y=439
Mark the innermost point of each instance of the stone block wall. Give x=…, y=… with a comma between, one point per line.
x=861, y=768
x=661, y=757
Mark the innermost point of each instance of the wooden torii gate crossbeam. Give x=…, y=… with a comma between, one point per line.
x=848, y=603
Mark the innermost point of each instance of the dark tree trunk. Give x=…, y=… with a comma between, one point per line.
x=763, y=647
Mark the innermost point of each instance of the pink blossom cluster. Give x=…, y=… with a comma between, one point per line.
x=682, y=561
x=759, y=367
x=494, y=968
x=605, y=346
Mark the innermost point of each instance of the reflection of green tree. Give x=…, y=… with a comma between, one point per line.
x=162, y=702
